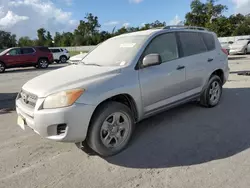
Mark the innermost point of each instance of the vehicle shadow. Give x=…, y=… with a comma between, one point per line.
x=7, y=102
x=32, y=69
x=246, y=73
x=190, y=134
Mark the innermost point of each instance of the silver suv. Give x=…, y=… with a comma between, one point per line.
x=122, y=81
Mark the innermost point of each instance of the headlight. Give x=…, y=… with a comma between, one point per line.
x=62, y=99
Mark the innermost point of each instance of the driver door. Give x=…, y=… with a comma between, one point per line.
x=162, y=84
x=13, y=57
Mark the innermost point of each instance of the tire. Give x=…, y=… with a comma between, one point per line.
x=2, y=67
x=43, y=63
x=245, y=52
x=207, y=98
x=104, y=130
x=63, y=59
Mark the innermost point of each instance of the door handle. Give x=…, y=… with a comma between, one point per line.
x=180, y=67
x=210, y=59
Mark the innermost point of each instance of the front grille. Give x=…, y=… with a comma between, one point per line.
x=28, y=98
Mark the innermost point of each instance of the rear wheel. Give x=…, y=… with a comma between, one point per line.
x=43, y=63
x=212, y=94
x=63, y=59
x=111, y=129
x=2, y=67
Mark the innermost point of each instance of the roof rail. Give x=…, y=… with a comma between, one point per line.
x=184, y=27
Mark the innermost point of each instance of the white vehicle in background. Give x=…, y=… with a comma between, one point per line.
x=226, y=45
x=60, y=55
x=76, y=58
x=241, y=46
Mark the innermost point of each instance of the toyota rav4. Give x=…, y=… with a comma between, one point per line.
x=125, y=79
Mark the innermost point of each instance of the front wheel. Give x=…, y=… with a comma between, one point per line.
x=111, y=129
x=2, y=67
x=212, y=94
x=245, y=52
x=43, y=63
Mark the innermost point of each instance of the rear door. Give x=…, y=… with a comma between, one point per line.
x=29, y=55
x=196, y=56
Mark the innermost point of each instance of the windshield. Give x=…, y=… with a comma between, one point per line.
x=116, y=51
x=3, y=52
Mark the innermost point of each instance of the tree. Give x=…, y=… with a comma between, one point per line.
x=57, y=39
x=202, y=13
x=7, y=39
x=87, y=30
x=41, y=37
x=49, y=39
x=25, y=41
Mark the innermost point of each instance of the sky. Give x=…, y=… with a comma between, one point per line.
x=24, y=17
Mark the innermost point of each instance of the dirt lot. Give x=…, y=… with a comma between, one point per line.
x=189, y=146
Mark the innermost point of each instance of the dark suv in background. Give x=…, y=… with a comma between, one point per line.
x=39, y=57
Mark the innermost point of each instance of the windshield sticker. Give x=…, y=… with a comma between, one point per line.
x=127, y=45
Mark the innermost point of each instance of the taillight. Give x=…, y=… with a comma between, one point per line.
x=225, y=51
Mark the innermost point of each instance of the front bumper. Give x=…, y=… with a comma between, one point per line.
x=46, y=122
x=235, y=51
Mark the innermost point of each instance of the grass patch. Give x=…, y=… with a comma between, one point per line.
x=72, y=53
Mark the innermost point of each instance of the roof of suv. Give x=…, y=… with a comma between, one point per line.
x=167, y=28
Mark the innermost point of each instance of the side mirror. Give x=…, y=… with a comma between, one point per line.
x=151, y=60
x=7, y=54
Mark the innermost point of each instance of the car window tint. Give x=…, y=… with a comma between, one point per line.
x=28, y=50
x=44, y=49
x=209, y=41
x=15, y=51
x=55, y=50
x=191, y=43
x=165, y=45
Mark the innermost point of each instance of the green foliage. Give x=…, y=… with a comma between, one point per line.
x=207, y=14
x=7, y=40
x=25, y=41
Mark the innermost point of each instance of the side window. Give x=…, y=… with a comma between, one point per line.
x=28, y=50
x=55, y=50
x=165, y=45
x=16, y=51
x=209, y=41
x=191, y=43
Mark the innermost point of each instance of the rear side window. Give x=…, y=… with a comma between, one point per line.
x=165, y=45
x=209, y=41
x=43, y=49
x=28, y=50
x=191, y=43
x=55, y=50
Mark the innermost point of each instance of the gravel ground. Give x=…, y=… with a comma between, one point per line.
x=188, y=146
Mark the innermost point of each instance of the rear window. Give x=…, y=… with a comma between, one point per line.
x=209, y=41
x=43, y=49
x=191, y=43
x=28, y=50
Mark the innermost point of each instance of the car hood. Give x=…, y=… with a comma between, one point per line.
x=73, y=76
